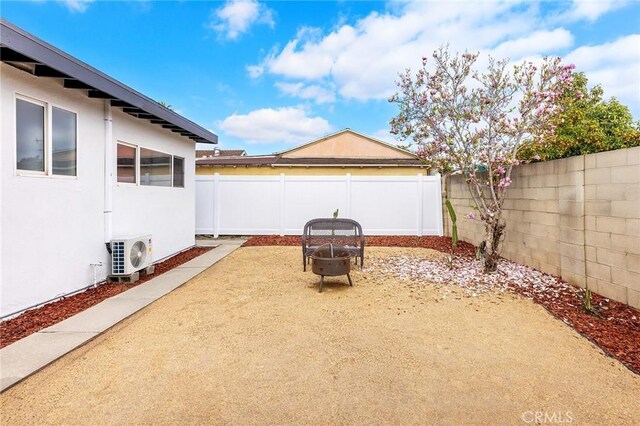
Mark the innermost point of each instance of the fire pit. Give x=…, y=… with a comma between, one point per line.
x=331, y=260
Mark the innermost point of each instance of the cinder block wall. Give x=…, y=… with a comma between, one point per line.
x=578, y=218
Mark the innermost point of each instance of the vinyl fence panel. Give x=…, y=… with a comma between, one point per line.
x=268, y=205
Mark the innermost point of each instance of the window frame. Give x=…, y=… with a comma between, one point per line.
x=136, y=164
x=48, y=138
x=138, y=181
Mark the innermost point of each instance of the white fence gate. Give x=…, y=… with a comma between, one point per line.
x=281, y=205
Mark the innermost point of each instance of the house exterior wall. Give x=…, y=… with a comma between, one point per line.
x=346, y=145
x=51, y=227
x=140, y=210
x=577, y=218
x=309, y=171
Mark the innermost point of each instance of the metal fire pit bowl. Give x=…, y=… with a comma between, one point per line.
x=331, y=260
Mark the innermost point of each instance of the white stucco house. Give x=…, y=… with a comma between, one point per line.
x=84, y=160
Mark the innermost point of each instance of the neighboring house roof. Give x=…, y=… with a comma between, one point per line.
x=345, y=148
x=220, y=153
x=30, y=54
x=347, y=144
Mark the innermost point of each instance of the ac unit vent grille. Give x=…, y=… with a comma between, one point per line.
x=117, y=257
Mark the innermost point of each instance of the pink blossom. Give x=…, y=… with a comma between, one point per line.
x=471, y=216
x=504, y=183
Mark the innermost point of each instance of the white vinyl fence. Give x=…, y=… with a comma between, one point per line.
x=281, y=205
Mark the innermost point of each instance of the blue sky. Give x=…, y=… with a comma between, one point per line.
x=267, y=76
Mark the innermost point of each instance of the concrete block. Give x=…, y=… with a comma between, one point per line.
x=633, y=263
x=632, y=192
x=550, y=180
x=616, y=225
x=633, y=156
x=625, y=174
x=611, y=258
x=633, y=298
x=592, y=284
x=551, y=206
x=597, y=208
x=625, y=243
x=630, y=209
x=597, y=176
x=571, y=236
x=590, y=223
x=610, y=191
x=625, y=278
x=572, y=266
x=590, y=161
x=590, y=192
x=575, y=279
x=572, y=251
x=574, y=163
x=572, y=222
x=612, y=291
x=542, y=218
x=571, y=178
x=601, y=272
x=571, y=193
x=591, y=254
x=538, y=205
x=613, y=158
x=632, y=228
x=571, y=208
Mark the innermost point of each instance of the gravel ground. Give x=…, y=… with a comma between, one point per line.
x=251, y=341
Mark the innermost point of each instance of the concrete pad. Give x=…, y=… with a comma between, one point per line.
x=100, y=317
x=211, y=257
x=34, y=352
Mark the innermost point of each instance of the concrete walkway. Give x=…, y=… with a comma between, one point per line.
x=24, y=357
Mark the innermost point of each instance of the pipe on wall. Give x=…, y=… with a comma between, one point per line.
x=108, y=172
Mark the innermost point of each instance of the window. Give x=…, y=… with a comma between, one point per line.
x=63, y=140
x=126, y=163
x=30, y=136
x=178, y=172
x=35, y=150
x=155, y=168
x=152, y=168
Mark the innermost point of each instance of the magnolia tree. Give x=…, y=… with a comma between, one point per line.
x=475, y=123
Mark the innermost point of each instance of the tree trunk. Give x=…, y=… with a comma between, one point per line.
x=494, y=230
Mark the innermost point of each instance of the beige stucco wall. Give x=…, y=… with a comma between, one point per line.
x=346, y=145
x=578, y=218
x=310, y=171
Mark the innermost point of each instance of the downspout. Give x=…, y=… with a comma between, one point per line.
x=108, y=174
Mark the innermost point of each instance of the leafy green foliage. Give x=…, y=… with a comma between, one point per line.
x=587, y=124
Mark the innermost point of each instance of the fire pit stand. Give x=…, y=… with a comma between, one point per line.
x=331, y=260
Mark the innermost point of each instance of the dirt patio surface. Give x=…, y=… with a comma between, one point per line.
x=251, y=341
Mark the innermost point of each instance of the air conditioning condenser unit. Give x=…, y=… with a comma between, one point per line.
x=129, y=255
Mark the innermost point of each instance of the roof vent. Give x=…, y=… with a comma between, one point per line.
x=216, y=152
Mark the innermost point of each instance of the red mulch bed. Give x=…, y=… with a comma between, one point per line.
x=613, y=326
x=52, y=313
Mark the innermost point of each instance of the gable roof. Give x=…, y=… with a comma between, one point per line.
x=322, y=152
x=347, y=144
x=28, y=53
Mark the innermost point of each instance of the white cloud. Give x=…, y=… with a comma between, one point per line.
x=290, y=125
x=591, y=10
x=317, y=93
x=77, y=5
x=614, y=65
x=237, y=16
x=361, y=59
